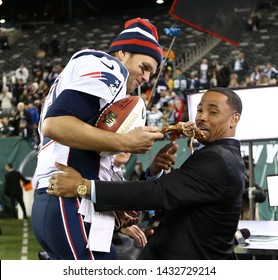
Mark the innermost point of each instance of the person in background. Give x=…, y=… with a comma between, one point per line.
x=138, y=173
x=240, y=66
x=127, y=240
x=90, y=82
x=7, y=129
x=202, y=199
x=13, y=189
x=257, y=194
x=22, y=73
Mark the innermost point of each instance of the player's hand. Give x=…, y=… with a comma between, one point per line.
x=141, y=139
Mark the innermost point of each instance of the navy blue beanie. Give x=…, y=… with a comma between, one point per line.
x=139, y=36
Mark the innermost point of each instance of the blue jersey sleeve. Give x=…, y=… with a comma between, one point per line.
x=77, y=104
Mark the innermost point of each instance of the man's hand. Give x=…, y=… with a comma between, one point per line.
x=137, y=234
x=127, y=218
x=164, y=159
x=64, y=183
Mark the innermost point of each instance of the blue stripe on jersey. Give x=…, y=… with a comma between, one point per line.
x=100, y=55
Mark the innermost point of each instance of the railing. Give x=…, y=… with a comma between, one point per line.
x=196, y=51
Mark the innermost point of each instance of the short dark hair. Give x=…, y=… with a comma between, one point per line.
x=9, y=164
x=233, y=101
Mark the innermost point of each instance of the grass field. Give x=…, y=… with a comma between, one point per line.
x=17, y=240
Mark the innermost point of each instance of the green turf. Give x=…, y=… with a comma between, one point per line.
x=11, y=240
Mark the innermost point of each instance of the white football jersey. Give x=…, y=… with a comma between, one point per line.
x=88, y=72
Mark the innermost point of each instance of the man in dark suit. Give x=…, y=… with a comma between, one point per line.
x=202, y=199
x=13, y=189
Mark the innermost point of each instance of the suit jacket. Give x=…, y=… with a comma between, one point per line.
x=12, y=183
x=202, y=199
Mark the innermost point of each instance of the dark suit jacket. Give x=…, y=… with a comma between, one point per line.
x=202, y=199
x=12, y=183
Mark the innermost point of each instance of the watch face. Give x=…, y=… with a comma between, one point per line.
x=82, y=190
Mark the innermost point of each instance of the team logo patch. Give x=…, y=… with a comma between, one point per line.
x=109, y=79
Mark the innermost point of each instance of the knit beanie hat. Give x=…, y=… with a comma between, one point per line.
x=139, y=36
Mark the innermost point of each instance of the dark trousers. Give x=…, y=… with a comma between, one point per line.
x=14, y=199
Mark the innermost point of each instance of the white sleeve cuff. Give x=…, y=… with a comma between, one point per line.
x=93, y=191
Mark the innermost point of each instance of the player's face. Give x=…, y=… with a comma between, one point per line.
x=140, y=67
x=215, y=117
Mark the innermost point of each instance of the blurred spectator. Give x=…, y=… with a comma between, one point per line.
x=63, y=46
x=193, y=81
x=263, y=81
x=160, y=86
x=180, y=83
x=270, y=71
x=224, y=75
x=4, y=41
x=179, y=107
x=233, y=83
x=54, y=46
x=22, y=121
x=213, y=73
x=255, y=74
x=254, y=21
x=169, y=80
x=154, y=117
x=169, y=113
x=170, y=59
x=34, y=112
x=213, y=78
x=6, y=100
x=240, y=66
x=164, y=97
x=43, y=48
x=273, y=81
x=22, y=73
x=18, y=91
x=56, y=70
x=7, y=129
x=138, y=173
x=203, y=73
x=37, y=71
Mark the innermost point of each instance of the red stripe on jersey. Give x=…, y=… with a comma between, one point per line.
x=92, y=75
x=46, y=145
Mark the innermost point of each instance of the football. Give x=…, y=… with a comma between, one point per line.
x=123, y=115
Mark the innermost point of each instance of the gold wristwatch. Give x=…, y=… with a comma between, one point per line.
x=82, y=189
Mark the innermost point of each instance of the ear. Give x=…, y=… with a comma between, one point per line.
x=235, y=120
x=121, y=55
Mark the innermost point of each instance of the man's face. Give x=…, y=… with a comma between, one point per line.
x=122, y=157
x=215, y=118
x=140, y=67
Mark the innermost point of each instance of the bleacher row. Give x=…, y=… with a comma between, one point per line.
x=259, y=47
x=97, y=32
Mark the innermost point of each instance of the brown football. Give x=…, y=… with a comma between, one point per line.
x=123, y=115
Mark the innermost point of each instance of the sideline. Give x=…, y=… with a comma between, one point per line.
x=24, y=249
